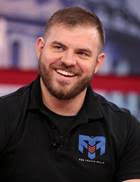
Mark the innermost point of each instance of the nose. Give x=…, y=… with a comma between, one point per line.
x=69, y=58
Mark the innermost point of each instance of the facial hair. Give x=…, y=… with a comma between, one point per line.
x=62, y=93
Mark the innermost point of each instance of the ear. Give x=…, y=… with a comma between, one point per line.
x=100, y=60
x=39, y=45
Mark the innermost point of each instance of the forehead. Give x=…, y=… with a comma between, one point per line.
x=78, y=35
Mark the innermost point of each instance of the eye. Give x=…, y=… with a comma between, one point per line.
x=57, y=47
x=83, y=54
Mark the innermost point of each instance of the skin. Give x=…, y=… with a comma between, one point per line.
x=68, y=58
x=133, y=180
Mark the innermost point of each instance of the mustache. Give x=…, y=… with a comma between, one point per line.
x=63, y=66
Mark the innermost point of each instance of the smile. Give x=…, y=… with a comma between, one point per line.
x=65, y=73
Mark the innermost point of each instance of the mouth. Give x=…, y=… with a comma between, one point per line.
x=65, y=73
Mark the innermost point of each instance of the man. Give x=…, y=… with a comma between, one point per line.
x=56, y=128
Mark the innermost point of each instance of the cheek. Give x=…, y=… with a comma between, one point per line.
x=88, y=68
x=46, y=59
x=51, y=58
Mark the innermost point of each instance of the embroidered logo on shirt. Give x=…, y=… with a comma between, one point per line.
x=92, y=144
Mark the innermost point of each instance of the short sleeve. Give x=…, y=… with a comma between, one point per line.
x=129, y=167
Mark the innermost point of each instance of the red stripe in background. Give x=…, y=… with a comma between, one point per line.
x=117, y=83
x=16, y=77
x=107, y=83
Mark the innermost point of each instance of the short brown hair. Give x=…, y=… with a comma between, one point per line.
x=74, y=16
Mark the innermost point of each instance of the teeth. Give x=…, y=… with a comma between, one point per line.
x=65, y=73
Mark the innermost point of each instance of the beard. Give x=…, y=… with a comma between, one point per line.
x=62, y=92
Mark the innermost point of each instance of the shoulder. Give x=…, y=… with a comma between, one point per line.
x=12, y=107
x=120, y=122
x=113, y=111
x=14, y=101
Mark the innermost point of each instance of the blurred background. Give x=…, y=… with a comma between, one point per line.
x=21, y=21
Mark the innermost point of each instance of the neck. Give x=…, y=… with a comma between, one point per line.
x=68, y=107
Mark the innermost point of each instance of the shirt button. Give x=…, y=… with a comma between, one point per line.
x=54, y=145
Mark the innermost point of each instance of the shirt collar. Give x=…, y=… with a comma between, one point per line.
x=35, y=95
x=89, y=111
x=91, y=108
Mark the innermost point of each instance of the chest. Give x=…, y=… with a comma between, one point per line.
x=42, y=153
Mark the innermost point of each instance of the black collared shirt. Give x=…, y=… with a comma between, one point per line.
x=102, y=145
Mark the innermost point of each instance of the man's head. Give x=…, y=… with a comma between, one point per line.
x=70, y=52
x=76, y=16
